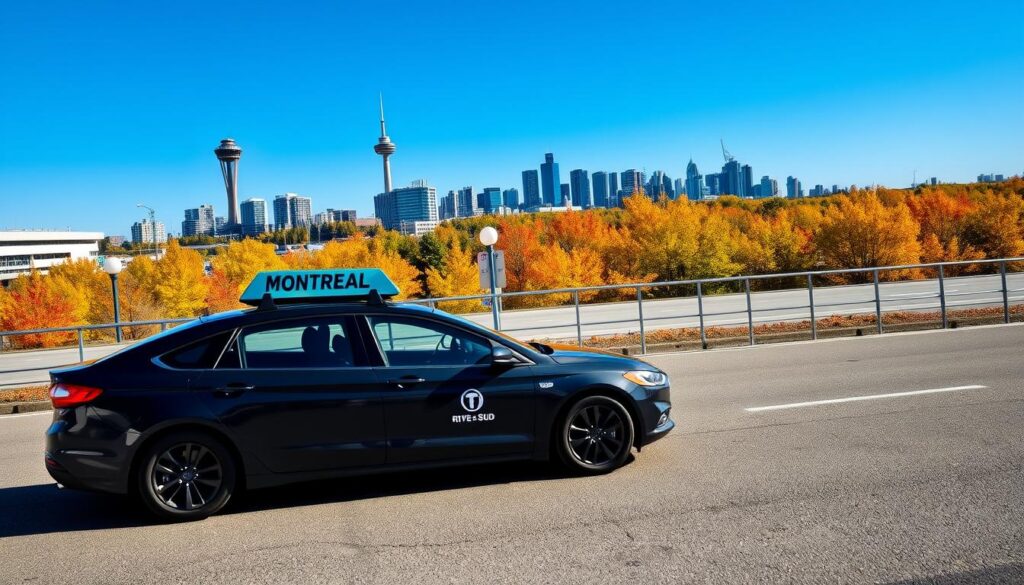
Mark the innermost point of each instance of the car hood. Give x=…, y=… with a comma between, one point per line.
x=570, y=354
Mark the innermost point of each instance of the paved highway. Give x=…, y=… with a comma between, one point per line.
x=21, y=368
x=887, y=488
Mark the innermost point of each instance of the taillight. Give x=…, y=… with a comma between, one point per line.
x=69, y=395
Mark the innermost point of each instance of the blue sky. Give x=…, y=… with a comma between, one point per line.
x=105, y=106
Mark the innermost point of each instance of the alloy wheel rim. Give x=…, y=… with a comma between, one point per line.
x=187, y=476
x=596, y=435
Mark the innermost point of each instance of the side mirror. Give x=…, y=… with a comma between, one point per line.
x=501, y=355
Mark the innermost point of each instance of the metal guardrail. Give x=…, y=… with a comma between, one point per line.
x=699, y=284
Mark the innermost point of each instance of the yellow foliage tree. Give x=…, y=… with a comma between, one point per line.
x=860, y=232
x=181, y=284
x=242, y=260
x=459, y=277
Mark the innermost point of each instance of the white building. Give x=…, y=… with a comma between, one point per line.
x=142, y=232
x=20, y=251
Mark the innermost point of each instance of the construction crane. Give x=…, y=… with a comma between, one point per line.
x=726, y=154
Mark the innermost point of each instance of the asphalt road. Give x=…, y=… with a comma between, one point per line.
x=23, y=368
x=915, y=488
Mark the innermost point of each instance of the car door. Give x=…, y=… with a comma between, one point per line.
x=444, y=399
x=300, y=395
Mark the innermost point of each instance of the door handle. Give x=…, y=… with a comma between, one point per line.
x=407, y=380
x=232, y=390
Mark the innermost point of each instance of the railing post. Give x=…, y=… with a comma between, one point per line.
x=81, y=346
x=878, y=304
x=942, y=295
x=810, y=299
x=640, y=311
x=700, y=315
x=163, y=326
x=1006, y=292
x=750, y=312
x=579, y=327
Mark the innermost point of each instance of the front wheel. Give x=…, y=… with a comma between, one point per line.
x=186, y=476
x=595, y=436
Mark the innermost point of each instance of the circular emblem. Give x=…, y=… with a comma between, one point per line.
x=472, y=400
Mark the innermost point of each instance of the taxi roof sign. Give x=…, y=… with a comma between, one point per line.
x=305, y=286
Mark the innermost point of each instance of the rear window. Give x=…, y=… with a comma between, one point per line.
x=199, y=355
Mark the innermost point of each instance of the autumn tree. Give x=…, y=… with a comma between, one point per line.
x=181, y=284
x=35, y=301
x=458, y=277
x=860, y=232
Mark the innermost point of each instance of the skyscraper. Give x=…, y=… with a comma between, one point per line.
x=292, y=210
x=769, y=187
x=510, y=197
x=694, y=182
x=229, y=153
x=731, y=179
x=713, y=182
x=447, y=208
x=600, y=189
x=410, y=209
x=613, y=190
x=254, y=216
x=199, y=221
x=679, y=185
x=660, y=184
x=385, y=148
x=793, y=189
x=579, y=186
x=465, y=203
x=566, y=195
x=489, y=200
x=550, y=181
x=531, y=188
x=142, y=232
x=632, y=182
x=746, y=181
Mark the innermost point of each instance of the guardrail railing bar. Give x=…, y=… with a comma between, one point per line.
x=750, y=312
x=1006, y=294
x=640, y=312
x=700, y=315
x=579, y=327
x=942, y=297
x=878, y=303
x=810, y=299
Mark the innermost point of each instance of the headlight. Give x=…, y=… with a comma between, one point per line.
x=646, y=378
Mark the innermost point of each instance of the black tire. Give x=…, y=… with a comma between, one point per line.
x=595, y=436
x=186, y=475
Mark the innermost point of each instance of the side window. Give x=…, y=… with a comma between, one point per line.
x=307, y=343
x=198, y=355
x=418, y=342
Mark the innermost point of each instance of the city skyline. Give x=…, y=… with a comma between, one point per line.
x=860, y=112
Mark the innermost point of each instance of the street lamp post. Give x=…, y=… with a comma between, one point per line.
x=489, y=237
x=113, y=266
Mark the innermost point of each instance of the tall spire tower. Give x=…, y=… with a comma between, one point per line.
x=228, y=154
x=385, y=148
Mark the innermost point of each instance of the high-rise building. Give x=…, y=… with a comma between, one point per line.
x=660, y=184
x=531, y=188
x=510, y=197
x=489, y=200
x=566, y=195
x=769, y=187
x=466, y=203
x=550, y=181
x=694, y=182
x=254, y=216
x=600, y=189
x=730, y=182
x=142, y=232
x=220, y=227
x=818, y=190
x=199, y=221
x=632, y=182
x=349, y=215
x=613, y=190
x=679, y=186
x=447, y=208
x=579, y=187
x=713, y=183
x=793, y=189
x=292, y=210
x=746, y=181
x=407, y=208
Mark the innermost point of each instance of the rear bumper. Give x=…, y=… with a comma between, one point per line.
x=86, y=456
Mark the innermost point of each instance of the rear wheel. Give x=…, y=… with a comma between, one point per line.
x=187, y=475
x=595, y=436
